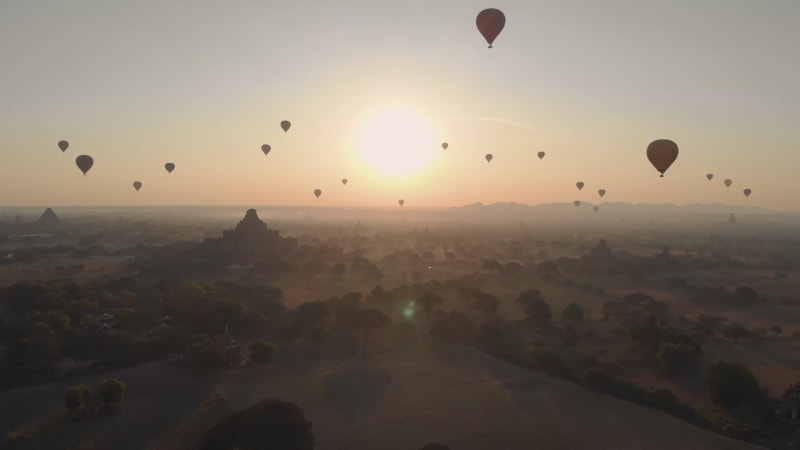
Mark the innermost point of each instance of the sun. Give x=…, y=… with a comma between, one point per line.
x=396, y=142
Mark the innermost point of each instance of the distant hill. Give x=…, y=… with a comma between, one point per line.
x=616, y=207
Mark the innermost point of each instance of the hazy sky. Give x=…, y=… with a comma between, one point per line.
x=204, y=84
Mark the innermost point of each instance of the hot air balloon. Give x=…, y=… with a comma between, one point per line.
x=709, y=176
x=728, y=182
x=489, y=157
x=344, y=181
x=285, y=124
x=170, y=167
x=577, y=203
x=579, y=184
x=747, y=192
x=662, y=153
x=266, y=148
x=540, y=155
x=595, y=208
x=401, y=202
x=445, y=145
x=137, y=185
x=490, y=23
x=84, y=162
x=602, y=192
x=63, y=145
x=317, y=193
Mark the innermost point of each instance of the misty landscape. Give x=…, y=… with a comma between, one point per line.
x=475, y=326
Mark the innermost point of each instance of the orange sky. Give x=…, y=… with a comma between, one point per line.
x=205, y=88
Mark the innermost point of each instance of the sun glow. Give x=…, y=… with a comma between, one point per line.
x=396, y=142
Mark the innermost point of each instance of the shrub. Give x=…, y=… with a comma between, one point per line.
x=580, y=360
x=111, y=391
x=598, y=379
x=731, y=383
x=261, y=351
x=76, y=397
x=676, y=357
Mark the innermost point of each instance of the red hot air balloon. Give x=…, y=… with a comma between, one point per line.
x=728, y=182
x=747, y=192
x=170, y=167
x=662, y=153
x=601, y=192
x=344, y=181
x=401, y=202
x=577, y=203
x=137, y=185
x=317, y=193
x=579, y=185
x=488, y=157
x=84, y=162
x=63, y=145
x=709, y=176
x=266, y=148
x=285, y=125
x=490, y=23
x=540, y=155
x=445, y=145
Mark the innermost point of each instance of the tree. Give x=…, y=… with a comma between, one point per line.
x=731, y=383
x=268, y=425
x=261, y=351
x=539, y=311
x=676, y=357
x=736, y=332
x=111, y=391
x=366, y=320
x=572, y=314
x=429, y=301
x=486, y=303
x=253, y=320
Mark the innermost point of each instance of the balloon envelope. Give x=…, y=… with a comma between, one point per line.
x=579, y=185
x=540, y=155
x=63, y=145
x=747, y=192
x=602, y=192
x=709, y=176
x=84, y=162
x=317, y=193
x=577, y=202
x=266, y=148
x=170, y=167
x=662, y=153
x=490, y=23
x=728, y=182
x=137, y=185
x=595, y=208
x=344, y=180
x=401, y=202
x=489, y=157
x=285, y=125
x=445, y=145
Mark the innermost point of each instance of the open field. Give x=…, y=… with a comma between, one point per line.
x=391, y=399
